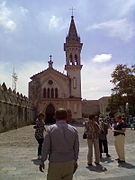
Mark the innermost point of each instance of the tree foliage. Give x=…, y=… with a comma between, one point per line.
x=123, y=93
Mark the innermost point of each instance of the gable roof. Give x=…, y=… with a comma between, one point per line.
x=50, y=69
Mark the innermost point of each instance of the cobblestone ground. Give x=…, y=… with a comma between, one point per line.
x=18, y=160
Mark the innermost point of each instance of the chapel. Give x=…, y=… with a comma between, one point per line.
x=51, y=89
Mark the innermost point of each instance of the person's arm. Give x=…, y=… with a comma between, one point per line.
x=36, y=125
x=45, y=151
x=123, y=129
x=120, y=131
x=76, y=150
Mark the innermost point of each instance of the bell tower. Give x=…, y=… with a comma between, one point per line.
x=72, y=48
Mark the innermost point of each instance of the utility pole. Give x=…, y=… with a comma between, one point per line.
x=14, y=80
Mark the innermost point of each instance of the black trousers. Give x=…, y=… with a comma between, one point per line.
x=40, y=142
x=103, y=144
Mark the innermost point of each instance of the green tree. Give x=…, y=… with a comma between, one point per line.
x=123, y=93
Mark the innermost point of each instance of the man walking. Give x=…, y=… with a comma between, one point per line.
x=61, y=144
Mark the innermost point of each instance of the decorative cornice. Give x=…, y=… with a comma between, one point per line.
x=73, y=67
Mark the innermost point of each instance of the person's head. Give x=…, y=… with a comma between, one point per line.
x=119, y=118
x=61, y=114
x=91, y=117
x=41, y=116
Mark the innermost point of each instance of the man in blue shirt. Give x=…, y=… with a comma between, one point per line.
x=119, y=138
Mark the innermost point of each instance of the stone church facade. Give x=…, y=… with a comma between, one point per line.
x=51, y=89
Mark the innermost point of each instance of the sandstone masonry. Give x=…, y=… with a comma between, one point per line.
x=15, y=109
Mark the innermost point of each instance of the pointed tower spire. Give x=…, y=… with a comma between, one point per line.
x=72, y=46
x=72, y=34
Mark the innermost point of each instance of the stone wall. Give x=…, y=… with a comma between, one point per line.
x=95, y=107
x=103, y=103
x=15, y=109
x=90, y=107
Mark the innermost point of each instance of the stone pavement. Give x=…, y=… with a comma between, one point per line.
x=18, y=159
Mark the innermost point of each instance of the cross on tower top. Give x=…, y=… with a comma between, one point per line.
x=72, y=9
x=50, y=57
x=50, y=62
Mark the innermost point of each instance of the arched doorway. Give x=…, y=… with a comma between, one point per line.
x=49, y=114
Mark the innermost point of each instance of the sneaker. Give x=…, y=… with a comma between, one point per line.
x=97, y=164
x=108, y=155
x=121, y=161
x=89, y=164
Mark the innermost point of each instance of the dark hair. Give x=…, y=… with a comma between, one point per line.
x=61, y=114
x=91, y=116
x=41, y=114
x=119, y=117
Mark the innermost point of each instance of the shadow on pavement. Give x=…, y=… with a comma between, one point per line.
x=36, y=161
x=126, y=165
x=98, y=168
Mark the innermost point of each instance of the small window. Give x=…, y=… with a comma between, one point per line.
x=56, y=92
x=44, y=93
x=48, y=93
x=52, y=93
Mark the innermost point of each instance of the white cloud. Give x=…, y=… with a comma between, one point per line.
x=96, y=80
x=5, y=18
x=23, y=11
x=102, y=58
x=29, y=69
x=124, y=7
x=121, y=28
x=128, y=6
x=56, y=23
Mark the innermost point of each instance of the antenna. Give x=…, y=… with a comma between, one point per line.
x=14, y=79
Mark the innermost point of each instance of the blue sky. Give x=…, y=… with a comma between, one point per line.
x=31, y=30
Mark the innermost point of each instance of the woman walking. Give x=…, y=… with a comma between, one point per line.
x=92, y=130
x=39, y=132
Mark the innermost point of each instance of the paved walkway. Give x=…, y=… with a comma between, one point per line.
x=18, y=159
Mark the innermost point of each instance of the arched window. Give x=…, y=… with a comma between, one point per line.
x=44, y=93
x=71, y=59
x=52, y=93
x=48, y=93
x=56, y=92
x=76, y=59
x=74, y=83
